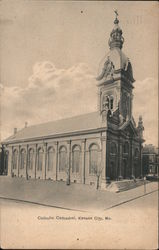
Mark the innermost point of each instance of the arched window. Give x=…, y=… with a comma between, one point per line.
x=76, y=152
x=105, y=102
x=15, y=159
x=22, y=159
x=30, y=158
x=126, y=148
x=50, y=158
x=93, y=159
x=40, y=159
x=113, y=149
x=62, y=159
x=108, y=101
x=111, y=102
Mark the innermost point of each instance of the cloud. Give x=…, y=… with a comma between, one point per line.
x=53, y=93
x=50, y=94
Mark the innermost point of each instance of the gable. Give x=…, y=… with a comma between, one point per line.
x=129, y=128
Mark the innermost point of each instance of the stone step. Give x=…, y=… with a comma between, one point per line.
x=120, y=186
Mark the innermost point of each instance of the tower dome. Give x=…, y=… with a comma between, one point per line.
x=115, y=61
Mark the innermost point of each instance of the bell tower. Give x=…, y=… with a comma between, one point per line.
x=115, y=79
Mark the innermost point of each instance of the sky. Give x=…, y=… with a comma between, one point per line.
x=51, y=52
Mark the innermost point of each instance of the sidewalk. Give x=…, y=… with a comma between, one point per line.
x=75, y=196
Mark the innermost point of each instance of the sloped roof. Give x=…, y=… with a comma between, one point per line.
x=73, y=124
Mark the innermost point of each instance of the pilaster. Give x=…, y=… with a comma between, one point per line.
x=26, y=165
x=132, y=161
x=120, y=155
x=19, y=160
x=57, y=160
x=10, y=149
x=36, y=154
x=103, y=161
x=44, y=161
x=69, y=162
x=83, y=160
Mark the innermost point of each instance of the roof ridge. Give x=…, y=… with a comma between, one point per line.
x=51, y=123
x=67, y=118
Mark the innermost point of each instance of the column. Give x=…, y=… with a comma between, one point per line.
x=83, y=161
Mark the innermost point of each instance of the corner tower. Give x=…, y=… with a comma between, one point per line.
x=115, y=79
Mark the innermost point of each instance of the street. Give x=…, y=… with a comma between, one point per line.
x=132, y=225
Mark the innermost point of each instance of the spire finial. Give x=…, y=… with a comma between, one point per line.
x=116, y=13
x=116, y=21
x=116, y=39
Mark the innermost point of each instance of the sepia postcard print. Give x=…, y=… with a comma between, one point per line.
x=79, y=152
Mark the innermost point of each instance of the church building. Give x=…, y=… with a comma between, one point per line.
x=98, y=147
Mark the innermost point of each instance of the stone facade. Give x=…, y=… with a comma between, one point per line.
x=61, y=148
x=91, y=149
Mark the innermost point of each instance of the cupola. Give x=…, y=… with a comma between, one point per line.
x=116, y=39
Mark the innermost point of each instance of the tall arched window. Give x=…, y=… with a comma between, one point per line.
x=76, y=152
x=40, y=159
x=30, y=158
x=50, y=158
x=62, y=159
x=15, y=159
x=22, y=159
x=93, y=159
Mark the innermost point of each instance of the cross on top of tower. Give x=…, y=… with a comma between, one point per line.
x=116, y=21
x=116, y=13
